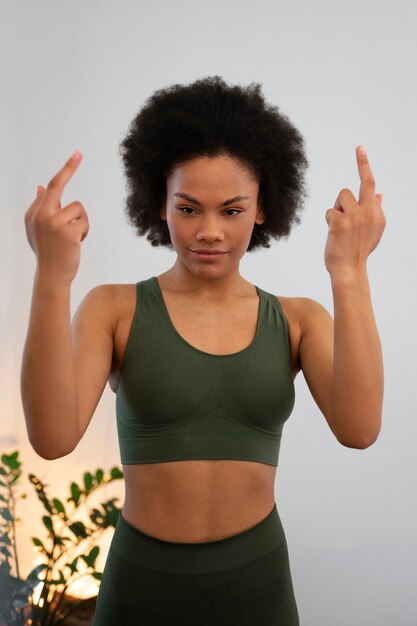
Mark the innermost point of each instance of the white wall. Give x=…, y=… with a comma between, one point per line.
x=73, y=76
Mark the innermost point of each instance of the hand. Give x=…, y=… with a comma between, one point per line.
x=355, y=228
x=55, y=233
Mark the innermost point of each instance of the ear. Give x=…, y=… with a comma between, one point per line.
x=260, y=216
x=163, y=212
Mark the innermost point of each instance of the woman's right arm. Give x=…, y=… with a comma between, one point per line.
x=48, y=374
x=48, y=381
x=65, y=366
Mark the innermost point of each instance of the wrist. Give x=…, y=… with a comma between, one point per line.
x=46, y=281
x=349, y=277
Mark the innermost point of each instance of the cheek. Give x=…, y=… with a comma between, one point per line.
x=177, y=226
x=180, y=232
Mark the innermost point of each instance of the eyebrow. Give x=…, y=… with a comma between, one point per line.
x=186, y=196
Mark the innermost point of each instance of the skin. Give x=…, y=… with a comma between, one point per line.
x=341, y=360
x=211, y=181
x=205, y=500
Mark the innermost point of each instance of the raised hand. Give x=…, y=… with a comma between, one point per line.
x=355, y=227
x=55, y=233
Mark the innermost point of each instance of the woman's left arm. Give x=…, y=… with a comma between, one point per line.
x=358, y=378
x=355, y=229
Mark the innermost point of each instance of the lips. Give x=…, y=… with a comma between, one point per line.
x=209, y=256
x=209, y=251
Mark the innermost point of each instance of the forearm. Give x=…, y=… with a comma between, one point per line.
x=48, y=382
x=358, y=378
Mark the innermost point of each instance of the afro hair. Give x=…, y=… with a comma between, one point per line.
x=209, y=118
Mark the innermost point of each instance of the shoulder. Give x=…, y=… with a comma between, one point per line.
x=305, y=316
x=107, y=302
x=302, y=311
x=315, y=325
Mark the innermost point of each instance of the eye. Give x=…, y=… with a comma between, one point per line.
x=180, y=208
x=191, y=209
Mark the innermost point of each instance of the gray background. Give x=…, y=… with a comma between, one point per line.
x=73, y=76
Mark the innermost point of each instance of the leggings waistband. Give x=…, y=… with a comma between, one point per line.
x=207, y=557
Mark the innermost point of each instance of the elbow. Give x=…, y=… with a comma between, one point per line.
x=51, y=456
x=360, y=444
x=49, y=453
x=47, y=456
x=363, y=435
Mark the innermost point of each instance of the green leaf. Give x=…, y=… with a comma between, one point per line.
x=4, y=572
x=59, y=507
x=73, y=565
x=38, y=543
x=97, y=575
x=91, y=557
x=4, y=538
x=78, y=529
x=11, y=460
x=6, y=551
x=75, y=492
x=116, y=473
x=99, y=475
x=3, y=471
x=88, y=481
x=5, y=513
x=2, y=498
x=48, y=523
x=33, y=574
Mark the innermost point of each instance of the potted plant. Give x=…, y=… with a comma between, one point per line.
x=69, y=542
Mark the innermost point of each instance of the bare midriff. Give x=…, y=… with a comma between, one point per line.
x=199, y=500
x=195, y=501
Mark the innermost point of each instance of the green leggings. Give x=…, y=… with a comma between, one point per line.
x=242, y=580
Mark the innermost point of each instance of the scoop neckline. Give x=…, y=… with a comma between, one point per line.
x=209, y=354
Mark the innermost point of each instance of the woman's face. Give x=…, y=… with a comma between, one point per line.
x=196, y=220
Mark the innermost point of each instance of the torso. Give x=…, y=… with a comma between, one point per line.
x=204, y=500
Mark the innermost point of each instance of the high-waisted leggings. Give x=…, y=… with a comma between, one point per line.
x=243, y=580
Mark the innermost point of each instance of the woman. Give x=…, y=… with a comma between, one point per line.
x=202, y=362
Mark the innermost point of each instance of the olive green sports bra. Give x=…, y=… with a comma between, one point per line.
x=175, y=402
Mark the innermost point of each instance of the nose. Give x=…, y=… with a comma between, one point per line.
x=210, y=230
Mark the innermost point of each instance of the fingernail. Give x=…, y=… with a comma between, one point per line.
x=361, y=150
x=75, y=156
x=39, y=190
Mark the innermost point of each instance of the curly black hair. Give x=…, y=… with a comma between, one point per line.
x=210, y=118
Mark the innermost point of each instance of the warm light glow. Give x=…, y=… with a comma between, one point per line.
x=38, y=589
x=84, y=587
x=36, y=593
